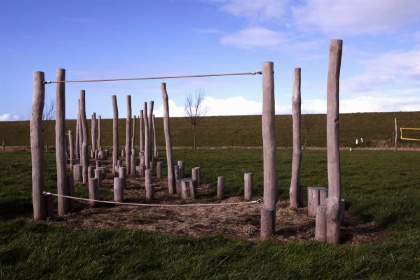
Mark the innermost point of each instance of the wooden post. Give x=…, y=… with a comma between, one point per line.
x=395, y=135
x=146, y=137
x=60, y=143
x=133, y=136
x=268, y=212
x=98, y=143
x=196, y=176
x=133, y=164
x=247, y=186
x=159, y=170
x=37, y=152
x=93, y=133
x=181, y=165
x=77, y=173
x=77, y=137
x=114, y=134
x=155, y=148
x=295, y=195
x=151, y=158
x=177, y=182
x=128, y=136
x=98, y=175
x=122, y=173
x=118, y=189
x=320, y=223
x=93, y=190
x=148, y=185
x=220, y=187
x=168, y=141
x=84, y=158
x=71, y=150
x=333, y=144
x=141, y=148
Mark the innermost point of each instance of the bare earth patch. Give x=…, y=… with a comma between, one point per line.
x=240, y=221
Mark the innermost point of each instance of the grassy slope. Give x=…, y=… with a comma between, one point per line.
x=242, y=130
x=378, y=185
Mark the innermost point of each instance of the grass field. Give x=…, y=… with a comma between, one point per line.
x=377, y=130
x=379, y=186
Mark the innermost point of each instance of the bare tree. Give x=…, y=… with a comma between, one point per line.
x=195, y=111
x=47, y=117
x=308, y=122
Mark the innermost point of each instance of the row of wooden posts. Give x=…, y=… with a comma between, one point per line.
x=333, y=205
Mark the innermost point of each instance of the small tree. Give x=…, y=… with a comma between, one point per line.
x=47, y=117
x=308, y=123
x=195, y=111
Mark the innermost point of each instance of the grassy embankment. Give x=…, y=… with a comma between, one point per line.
x=377, y=130
x=380, y=186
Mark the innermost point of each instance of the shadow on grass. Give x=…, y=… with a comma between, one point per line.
x=14, y=207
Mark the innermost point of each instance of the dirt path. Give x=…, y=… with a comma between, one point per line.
x=241, y=220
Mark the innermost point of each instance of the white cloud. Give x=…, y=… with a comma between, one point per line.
x=255, y=37
x=357, y=16
x=257, y=10
x=10, y=117
x=391, y=69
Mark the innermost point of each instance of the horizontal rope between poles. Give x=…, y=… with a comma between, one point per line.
x=153, y=205
x=154, y=78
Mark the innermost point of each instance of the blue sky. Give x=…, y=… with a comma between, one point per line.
x=95, y=39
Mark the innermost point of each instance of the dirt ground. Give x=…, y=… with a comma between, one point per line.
x=231, y=217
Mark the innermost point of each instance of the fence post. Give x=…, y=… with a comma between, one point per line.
x=146, y=137
x=37, y=152
x=98, y=143
x=114, y=134
x=268, y=212
x=333, y=152
x=60, y=143
x=128, y=136
x=220, y=187
x=167, y=129
x=248, y=186
x=84, y=158
x=295, y=195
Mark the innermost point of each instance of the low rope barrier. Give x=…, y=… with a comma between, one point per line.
x=154, y=205
x=153, y=78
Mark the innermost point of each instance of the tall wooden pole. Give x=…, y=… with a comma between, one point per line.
x=333, y=144
x=295, y=194
x=60, y=143
x=155, y=149
x=168, y=141
x=98, y=143
x=146, y=137
x=84, y=131
x=151, y=105
x=141, y=131
x=93, y=133
x=268, y=212
x=37, y=152
x=133, y=135
x=77, y=137
x=114, y=134
x=128, y=136
x=395, y=135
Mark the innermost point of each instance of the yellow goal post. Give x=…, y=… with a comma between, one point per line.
x=410, y=133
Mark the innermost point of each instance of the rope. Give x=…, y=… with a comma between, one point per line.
x=153, y=205
x=153, y=78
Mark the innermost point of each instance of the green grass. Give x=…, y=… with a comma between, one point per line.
x=380, y=186
x=375, y=128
